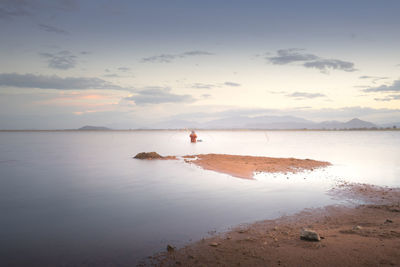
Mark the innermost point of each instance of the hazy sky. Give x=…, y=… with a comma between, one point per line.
x=128, y=64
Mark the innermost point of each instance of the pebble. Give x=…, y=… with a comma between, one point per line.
x=214, y=244
x=310, y=235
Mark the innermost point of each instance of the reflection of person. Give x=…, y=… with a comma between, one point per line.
x=193, y=137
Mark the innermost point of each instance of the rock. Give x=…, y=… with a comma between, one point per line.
x=357, y=227
x=310, y=235
x=148, y=155
x=170, y=248
x=214, y=244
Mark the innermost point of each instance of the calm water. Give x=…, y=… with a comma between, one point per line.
x=78, y=198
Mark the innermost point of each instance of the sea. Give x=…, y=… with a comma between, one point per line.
x=78, y=198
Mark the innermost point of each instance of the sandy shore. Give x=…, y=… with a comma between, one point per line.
x=352, y=235
x=365, y=235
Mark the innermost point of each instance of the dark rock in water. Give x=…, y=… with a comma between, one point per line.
x=310, y=235
x=170, y=248
x=148, y=155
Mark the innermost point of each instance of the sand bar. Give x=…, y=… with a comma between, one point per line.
x=246, y=166
x=242, y=166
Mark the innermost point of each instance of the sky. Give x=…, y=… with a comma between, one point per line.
x=132, y=64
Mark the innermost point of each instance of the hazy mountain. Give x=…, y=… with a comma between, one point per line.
x=265, y=122
x=93, y=128
x=351, y=124
x=261, y=122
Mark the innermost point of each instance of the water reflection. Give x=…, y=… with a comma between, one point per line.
x=80, y=197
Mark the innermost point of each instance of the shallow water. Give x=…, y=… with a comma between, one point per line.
x=71, y=198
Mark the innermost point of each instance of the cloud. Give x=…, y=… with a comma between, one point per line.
x=13, y=8
x=295, y=55
x=388, y=98
x=158, y=95
x=394, y=87
x=54, y=82
x=304, y=95
x=325, y=64
x=203, y=86
x=196, y=53
x=124, y=69
x=210, y=86
x=232, y=84
x=52, y=29
x=168, y=58
x=111, y=75
x=19, y=8
x=206, y=96
x=277, y=92
x=62, y=60
x=373, y=78
x=286, y=56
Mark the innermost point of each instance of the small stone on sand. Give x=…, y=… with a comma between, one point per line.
x=309, y=235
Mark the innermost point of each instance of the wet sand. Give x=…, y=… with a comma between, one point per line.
x=363, y=235
x=246, y=166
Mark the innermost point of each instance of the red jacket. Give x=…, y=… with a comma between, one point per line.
x=193, y=138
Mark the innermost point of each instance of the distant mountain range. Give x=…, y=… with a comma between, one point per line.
x=260, y=122
x=266, y=122
x=93, y=128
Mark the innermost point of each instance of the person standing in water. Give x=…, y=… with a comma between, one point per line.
x=193, y=137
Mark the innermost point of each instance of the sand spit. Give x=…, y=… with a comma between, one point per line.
x=365, y=235
x=242, y=166
x=246, y=166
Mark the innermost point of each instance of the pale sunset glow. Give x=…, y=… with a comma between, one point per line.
x=143, y=63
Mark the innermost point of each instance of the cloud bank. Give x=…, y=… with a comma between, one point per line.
x=394, y=87
x=296, y=55
x=62, y=60
x=52, y=29
x=304, y=95
x=158, y=95
x=54, y=82
x=168, y=58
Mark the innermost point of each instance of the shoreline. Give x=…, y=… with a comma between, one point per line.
x=351, y=235
x=355, y=234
